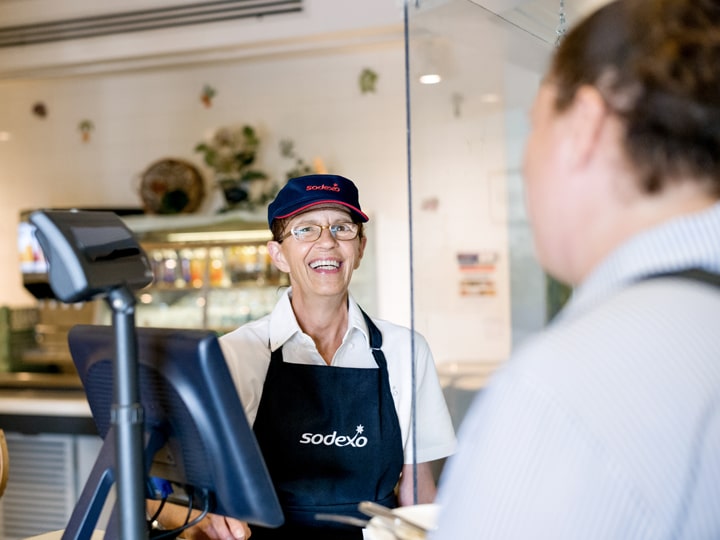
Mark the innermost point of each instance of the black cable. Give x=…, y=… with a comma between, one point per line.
x=190, y=507
x=162, y=535
x=157, y=512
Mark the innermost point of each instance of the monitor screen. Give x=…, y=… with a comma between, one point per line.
x=32, y=258
x=191, y=410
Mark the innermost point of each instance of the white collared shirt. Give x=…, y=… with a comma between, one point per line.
x=247, y=352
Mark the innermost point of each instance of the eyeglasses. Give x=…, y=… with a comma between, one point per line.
x=310, y=233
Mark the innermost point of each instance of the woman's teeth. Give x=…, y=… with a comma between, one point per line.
x=330, y=264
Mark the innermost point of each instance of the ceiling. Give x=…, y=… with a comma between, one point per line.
x=537, y=19
x=69, y=24
x=473, y=44
x=540, y=17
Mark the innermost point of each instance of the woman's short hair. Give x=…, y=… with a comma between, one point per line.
x=657, y=65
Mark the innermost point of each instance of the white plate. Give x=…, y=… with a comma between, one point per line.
x=422, y=514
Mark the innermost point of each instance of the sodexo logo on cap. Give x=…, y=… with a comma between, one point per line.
x=304, y=192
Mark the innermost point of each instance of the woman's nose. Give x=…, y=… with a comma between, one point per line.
x=326, y=235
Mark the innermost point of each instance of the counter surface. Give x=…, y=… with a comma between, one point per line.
x=64, y=408
x=42, y=410
x=44, y=403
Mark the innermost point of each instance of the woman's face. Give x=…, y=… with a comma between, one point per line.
x=323, y=267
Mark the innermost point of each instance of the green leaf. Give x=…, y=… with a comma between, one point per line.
x=254, y=175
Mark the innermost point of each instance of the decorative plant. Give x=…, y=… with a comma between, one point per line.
x=40, y=109
x=367, y=80
x=231, y=154
x=85, y=127
x=207, y=95
x=300, y=167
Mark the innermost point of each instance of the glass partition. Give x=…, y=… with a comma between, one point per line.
x=472, y=74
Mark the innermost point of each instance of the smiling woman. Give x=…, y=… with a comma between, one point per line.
x=320, y=266
x=329, y=390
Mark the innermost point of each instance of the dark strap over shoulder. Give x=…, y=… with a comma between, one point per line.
x=695, y=274
x=375, y=334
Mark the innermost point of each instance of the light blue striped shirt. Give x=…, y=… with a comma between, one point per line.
x=606, y=424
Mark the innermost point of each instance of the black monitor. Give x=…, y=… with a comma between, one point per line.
x=33, y=262
x=196, y=433
x=89, y=253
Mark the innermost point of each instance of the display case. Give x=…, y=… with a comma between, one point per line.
x=210, y=272
x=213, y=274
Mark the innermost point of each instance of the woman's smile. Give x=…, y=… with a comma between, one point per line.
x=326, y=265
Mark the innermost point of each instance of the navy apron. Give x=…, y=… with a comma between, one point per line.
x=330, y=438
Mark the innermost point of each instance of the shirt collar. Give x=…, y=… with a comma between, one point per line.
x=685, y=242
x=356, y=319
x=284, y=325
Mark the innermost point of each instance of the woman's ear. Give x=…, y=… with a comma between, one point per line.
x=588, y=118
x=277, y=256
x=361, y=251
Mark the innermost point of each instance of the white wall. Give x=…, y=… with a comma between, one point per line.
x=140, y=117
x=306, y=88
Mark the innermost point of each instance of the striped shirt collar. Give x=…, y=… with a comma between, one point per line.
x=689, y=241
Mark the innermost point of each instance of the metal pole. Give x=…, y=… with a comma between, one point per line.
x=127, y=418
x=408, y=115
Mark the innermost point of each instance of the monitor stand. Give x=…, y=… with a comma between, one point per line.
x=123, y=453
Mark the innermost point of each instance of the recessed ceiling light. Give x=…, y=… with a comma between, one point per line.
x=430, y=78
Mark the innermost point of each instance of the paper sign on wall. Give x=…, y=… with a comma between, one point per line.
x=478, y=273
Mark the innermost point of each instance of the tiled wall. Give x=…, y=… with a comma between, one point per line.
x=466, y=153
x=142, y=116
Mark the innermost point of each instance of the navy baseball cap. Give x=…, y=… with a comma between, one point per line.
x=304, y=192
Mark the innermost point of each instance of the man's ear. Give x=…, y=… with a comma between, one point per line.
x=587, y=119
x=277, y=256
